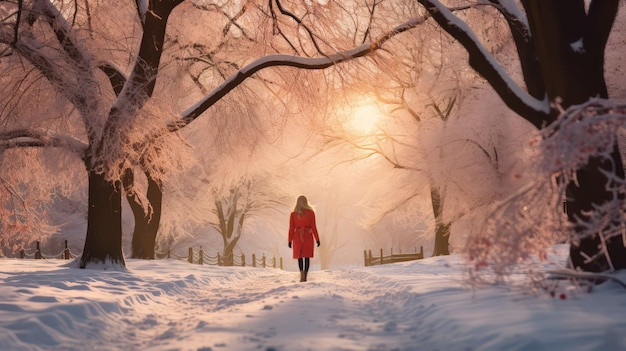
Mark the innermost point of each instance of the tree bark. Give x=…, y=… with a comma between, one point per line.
x=442, y=230
x=103, y=243
x=573, y=77
x=229, y=258
x=146, y=223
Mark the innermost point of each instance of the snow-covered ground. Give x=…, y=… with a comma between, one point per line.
x=174, y=305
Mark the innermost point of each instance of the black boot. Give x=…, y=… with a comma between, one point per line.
x=305, y=274
x=302, y=276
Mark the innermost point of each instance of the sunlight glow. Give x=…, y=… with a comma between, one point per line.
x=364, y=117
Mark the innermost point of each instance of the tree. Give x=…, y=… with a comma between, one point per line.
x=71, y=71
x=239, y=201
x=560, y=47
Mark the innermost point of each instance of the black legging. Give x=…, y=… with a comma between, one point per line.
x=303, y=263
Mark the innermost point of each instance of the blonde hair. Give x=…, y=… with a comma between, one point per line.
x=302, y=204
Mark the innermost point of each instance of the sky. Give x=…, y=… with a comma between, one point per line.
x=418, y=305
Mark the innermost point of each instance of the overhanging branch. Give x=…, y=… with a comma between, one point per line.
x=533, y=110
x=311, y=63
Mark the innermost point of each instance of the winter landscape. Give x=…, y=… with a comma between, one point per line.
x=487, y=134
x=419, y=305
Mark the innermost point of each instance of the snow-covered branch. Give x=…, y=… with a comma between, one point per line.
x=312, y=63
x=62, y=29
x=142, y=8
x=536, y=111
x=520, y=31
x=41, y=138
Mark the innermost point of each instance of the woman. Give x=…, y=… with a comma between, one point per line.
x=302, y=229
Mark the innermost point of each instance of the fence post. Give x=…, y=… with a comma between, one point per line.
x=263, y=260
x=66, y=252
x=243, y=260
x=281, y=263
x=422, y=251
x=168, y=253
x=365, y=258
x=38, y=252
x=22, y=253
x=201, y=256
x=190, y=258
x=381, y=256
x=274, y=262
x=253, y=260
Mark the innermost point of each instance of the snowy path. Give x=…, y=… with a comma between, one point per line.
x=203, y=307
x=269, y=309
x=173, y=305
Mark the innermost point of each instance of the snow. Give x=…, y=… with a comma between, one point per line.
x=174, y=305
x=512, y=8
x=578, y=46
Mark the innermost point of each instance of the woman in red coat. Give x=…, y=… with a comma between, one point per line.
x=302, y=229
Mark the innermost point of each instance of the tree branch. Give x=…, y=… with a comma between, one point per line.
x=41, y=138
x=518, y=25
x=61, y=29
x=300, y=23
x=116, y=77
x=313, y=63
x=533, y=110
x=600, y=19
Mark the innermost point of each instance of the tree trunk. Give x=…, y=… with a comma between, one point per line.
x=229, y=258
x=103, y=243
x=146, y=224
x=591, y=190
x=442, y=230
x=573, y=77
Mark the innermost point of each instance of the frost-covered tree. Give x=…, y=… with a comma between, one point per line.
x=560, y=47
x=237, y=201
x=40, y=34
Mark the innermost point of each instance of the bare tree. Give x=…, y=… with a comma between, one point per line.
x=238, y=202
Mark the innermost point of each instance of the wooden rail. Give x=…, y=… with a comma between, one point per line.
x=201, y=257
x=371, y=260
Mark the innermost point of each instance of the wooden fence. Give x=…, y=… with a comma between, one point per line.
x=371, y=260
x=199, y=257
x=37, y=254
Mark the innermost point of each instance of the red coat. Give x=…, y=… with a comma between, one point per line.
x=302, y=229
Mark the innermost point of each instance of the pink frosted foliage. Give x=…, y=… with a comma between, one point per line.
x=522, y=228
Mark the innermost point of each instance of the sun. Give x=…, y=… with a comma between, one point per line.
x=364, y=117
